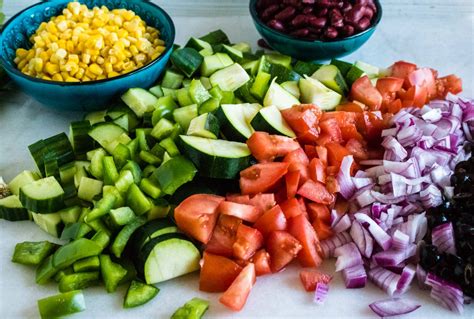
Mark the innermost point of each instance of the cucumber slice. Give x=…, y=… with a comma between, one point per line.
x=353, y=74
x=216, y=158
x=230, y=78
x=343, y=66
x=269, y=119
x=283, y=74
x=55, y=151
x=198, y=44
x=81, y=142
x=216, y=37
x=279, y=59
x=198, y=92
x=215, y=63
x=242, y=47
x=168, y=256
x=67, y=172
x=150, y=230
x=140, y=101
x=205, y=125
x=162, y=129
x=188, y=60
x=370, y=70
x=139, y=294
x=251, y=67
x=306, y=68
x=50, y=223
x=279, y=97
x=314, y=92
x=330, y=76
x=89, y=188
x=108, y=135
x=11, y=209
x=96, y=117
x=70, y=215
x=61, y=305
x=292, y=87
x=184, y=115
x=22, y=179
x=156, y=91
x=42, y=196
x=235, y=120
x=234, y=54
x=172, y=79
x=183, y=97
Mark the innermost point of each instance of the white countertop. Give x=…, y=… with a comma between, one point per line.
x=433, y=33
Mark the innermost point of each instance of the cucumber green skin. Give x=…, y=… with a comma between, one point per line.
x=56, y=147
x=343, y=66
x=244, y=93
x=139, y=294
x=260, y=124
x=14, y=214
x=44, y=206
x=283, y=74
x=353, y=74
x=212, y=166
x=306, y=68
x=212, y=124
x=228, y=129
x=81, y=141
x=188, y=60
x=216, y=37
x=145, y=233
x=61, y=305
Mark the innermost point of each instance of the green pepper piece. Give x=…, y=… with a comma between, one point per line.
x=70, y=253
x=45, y=271
x=62, y=304
x=138, y=294
x=87, y=264
x=32, y=253
x=174, y=173
x=102, y=238
x=124, y=235
x=61, y=273
x=102, y=208
x=112, y=273
x=79, y=280
x=193, y=309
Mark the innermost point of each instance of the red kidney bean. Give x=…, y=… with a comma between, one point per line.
x=277, y=25
x=325, y=3
x=314, y=30
x=368, y=13
x=308, y=1
x=286, y=14
x=299, y=20
x=363, y=24
x=317, y=22
x=269, y=12
x=300, y=33
x=334, y=12
x=263, y=44
x=308, y=10
x=355, y=14
x=340, y=4
x=337, y=21
x=330, y=33
x=371, y=5
x=347, y=6
x=294, y=3
x=361, y=2
x=322, y=12
x=348, y=30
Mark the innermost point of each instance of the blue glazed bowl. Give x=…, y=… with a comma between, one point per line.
x=85, y=96
x=312, y=50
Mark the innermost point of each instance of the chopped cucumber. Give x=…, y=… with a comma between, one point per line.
x=183, y=97
x=20, y=180
x=292, y=87
x=156, y=91
x=216, y=37
x=283, y=74
x=150, y=230
x=242, y=47
x=306, y=68
x=50, y=223
x=330, y=76
x=184, y=115
x=188, y=60
x=314, y=92
x=279, y=97
x=260, y=85
x=42, y=196
x=235, y=120
x=353, y=74
x=198, y=92
x=370, y=70
x=269, y=119
x=108, y=135
x=198, y=44
x=230, y=78
x=343, y=66
x=234, y=54
x=11, y=209
x=215, y=63
x=89, y=188
x=205, y=125
x=140, y=101
x=172, y=79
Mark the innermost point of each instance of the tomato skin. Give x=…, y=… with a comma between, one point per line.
x=302, y=230
x=298, y=162
x=448, y=84
x=260, y=178
x=308, y=137
x=330, y=128
x=423, y=77
x=283, y=248
x=414, y=96
x=402, y=69
x=317, y=171
x=261, y=259
x=237, y=198
x=395, y=106
x=236, y=295
x=291, y=208
x=248, y=241
x=310, y=279
x=263, y=202
x=319, y=211
x=322, y=229
x=388, y=87
x=273, y=219
x=357, y=149
x=265, y=147
x=246, y=212
x=322, y=154
x=363, y=91
x=332, y=185
x=217, y=273
x=336, y=153
x=292, y=180
x=350, y=107
x=316, y=192
x=302, y=118
x=373, y=126
x=197, y=215
x=224, y=236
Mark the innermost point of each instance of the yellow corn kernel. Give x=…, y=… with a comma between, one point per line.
x=61, y=54
x=100, y=60
x=95, y=69
x=112, y=74
x=73, y=58
x=128, y=54
x=118, y=66
x=90, y=75
x=72, y=79
x=139, y=58
x=122, y=33
x=86, y=58
x=61, y=25
x=51, y=27
x=80, y=73
x=22, y=64
x=44, y=56
x=160, y=49
x=62, y=44
x=57, y=77
x=101, y=77
x=70, y=46
x=128, y=14
x=133, y=49
x=45, y=77
x=39, y=42
x=51, y=68
x=37, y=64
x=21, y=53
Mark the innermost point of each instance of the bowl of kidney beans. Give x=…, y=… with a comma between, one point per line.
x=316, y=29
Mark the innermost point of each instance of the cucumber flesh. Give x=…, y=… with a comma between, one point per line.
x=42, y=196
x=20, y=180
x=215, y=63
x=11, y=209
x=205, y=125
x=269, y=119
x=314, y=92
x=50, y=223
x=330, y=76
x=278, y=96
x=140, y=101
x=235, y=120
x=292, y=87
x=230, y=78
x=371, y=70
x=108, y=135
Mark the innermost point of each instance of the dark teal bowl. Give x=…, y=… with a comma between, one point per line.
x=85, y=96
x=312, y=50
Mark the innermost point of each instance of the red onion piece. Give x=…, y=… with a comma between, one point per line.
x=400, y=240
x=384, y=279
x=320, y=294
x=347, y=187
x=394, y=257
x=393, y=307
x=407, y=276
x=329, y=245
x=355, y=276
x=347, y=256
x=442, y=237
x=448, y=294
x=380, y=236
x=362, y=239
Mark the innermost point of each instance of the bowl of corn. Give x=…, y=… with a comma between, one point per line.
x=78, y=56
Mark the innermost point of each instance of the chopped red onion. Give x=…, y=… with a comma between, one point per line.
x=346, y=185
x=393, y=307
x=380, y=236
x=343, y=224
x=394, y=257
x=399, y=153
x=400, y=240
x=362, y=239
x=384, y=279
x=408, y=273
x=355, y=276
x=442, y=237
x=347, y=256
x=321, y=292
x=329, y=245
x=448, y=294
x=421, y=277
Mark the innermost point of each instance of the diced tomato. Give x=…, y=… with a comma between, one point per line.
x=373, y=125
x=322, y=154
x=302, y=118
x=302, y=203
x=319, y=211
x=260, y=178
x=363, y=91
x=298, y=161
x=331, y=171
x=261, y=259
x=292, y=180
x=310, y=278
x=310, y=151
x=448, y=84
x=350, y=107
x=332, y=185
x=246, y=212
x=342, y=118
x=241, y=262
x=317, y=170
x=197, y=215
x=283, y=248
x=402, y=69
x=217, y=273
x=237, y=198
x=414, y=96
x=263, y=202
x=248, y=241
x=302, y=230
x=280, y=194
x=236, y=296
x=330, y=128
x=336, y=153
x=388, y=87
x=357, y=149
x=316, y=192
x=291, y=208
x=266, y=147
x=350, y=132
x=394, y=106
x=323, y=229
x=271, y=220
x=308, y=137
x=423, y=77
x=341, y=206
x=224, y=236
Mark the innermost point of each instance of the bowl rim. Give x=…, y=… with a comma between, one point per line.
x=9, y=68
x=256, y=19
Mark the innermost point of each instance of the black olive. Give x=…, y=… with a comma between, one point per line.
x=429, y=257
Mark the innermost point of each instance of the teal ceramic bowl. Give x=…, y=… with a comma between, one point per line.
x=85, y=96
x=312, y=50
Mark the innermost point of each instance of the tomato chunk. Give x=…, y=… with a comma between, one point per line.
x=197, y=215
x=243, y=211
x=271, y=220
x=298, y=161
x=423, y=77
x=322, y=229
x=357, y=149
x=316, y=192
x=248, y=241
x=217, y=273
x=310, y=278
x=319, y=211
x=292, y=180
x=317, y=170
x=448, y=84
x=322, y=154
x=388, y=87
x=224, y=236
x=363, y=91
x=332, y=185
x=302, y=230
x=350, y=107
x=302, y=118
x=402, y=69
x=237, y=198
x=266, y=147
x=236, y=296
x=263, y=202
x=283, y=248
x=260, y=178
x=261, y=259
x=331, y=129
x=291, y=208
x=336, y=153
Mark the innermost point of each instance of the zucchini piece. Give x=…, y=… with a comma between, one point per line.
x=353, y=74
x=193, y=309
x=139, y=101
x=234, y=54
x=68, y=254
x=216, y=158
x=242, y=47
x=70, y=215
x=330, y=76
x=279, y=59
x=81, y=142
x=61, y=305
x=314, y=92
x=230, y=78
x=172, y=79
x=89, y=188
x=235, y=120
x=251, y=67
x=22, y=179
x=87, y=264
x=216, y=37
x=137, y=201
x=187, y=60
x=292, y=87
x=306, y=68
x=198, y=44
x=96, y=117
x=124, y=235
x=42, y=196
x=210, y=105
x=283, y=74
x=174, y=173
x=279, y=97
x=198, y=92
x=215, y=62
x=343, y=66
x=370, y=70
x=108, y=135
x=156, y=91
x=168, y=256
x=139, y=294
x=112, y=273
x=205, y=125
x=122, y=215
x=184, y=115
x=183, y=97
x=269, y=119
x=150, y=230
x=32, y=253
x=78, y=281
x=11, y=209
x=162, y=129
x=260, y=85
